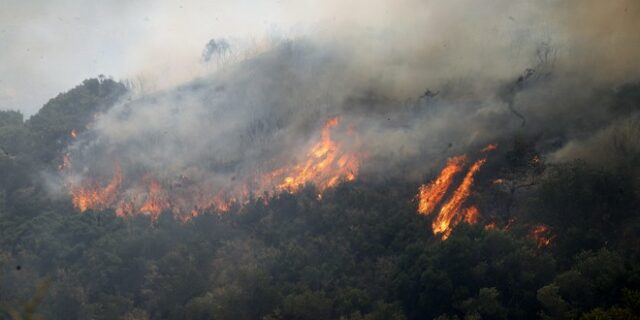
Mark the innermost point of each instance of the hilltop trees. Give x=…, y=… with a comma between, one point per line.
x=360, y=253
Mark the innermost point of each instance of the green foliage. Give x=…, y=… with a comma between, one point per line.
x=596, y=280
x=362, y=253
x=609, y=314
x=473, y=272
x=75, y=109
x=576, y=194
x=627, y=311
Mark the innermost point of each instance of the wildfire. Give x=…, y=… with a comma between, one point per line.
x=94, y=196
x=449, y=212
x=542, y=235
x=430, y=195
x=325, y=164
x=156, y=200
x=491, y=226
x=452, y=211
x=471, y=215
x=490, y=147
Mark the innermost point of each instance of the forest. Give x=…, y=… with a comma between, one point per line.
x=554, y=240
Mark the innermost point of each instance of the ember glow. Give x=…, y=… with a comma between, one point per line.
x=470, y=215
x=542, y=235
x=325, y=164
x=491, y=226
x=489, y=148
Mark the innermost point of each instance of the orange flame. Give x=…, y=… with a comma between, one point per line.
x=542, y=235
x=490, y=147
x=471, y=215
x=430, y=195
x=451, y=213
x=326, y=164
x=491, y=226
x=447, y=217
x=94, y=196
x=156, y=200
x=124, y=208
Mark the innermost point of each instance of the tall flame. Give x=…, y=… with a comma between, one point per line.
x=430, y=195
x=451, y=212
x=325, y=166
x=447, y=217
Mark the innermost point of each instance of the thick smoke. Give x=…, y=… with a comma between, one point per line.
x=434, y=79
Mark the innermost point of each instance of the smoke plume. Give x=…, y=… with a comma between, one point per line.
x=411, y=84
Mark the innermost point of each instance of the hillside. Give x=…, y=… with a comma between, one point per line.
x=553, y=240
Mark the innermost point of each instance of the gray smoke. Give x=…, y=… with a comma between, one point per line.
x=412, y=98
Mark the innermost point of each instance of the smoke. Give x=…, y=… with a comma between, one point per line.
x=413, y=83
x=615, y=146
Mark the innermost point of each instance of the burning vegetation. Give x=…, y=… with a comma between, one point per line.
x=325, y=164
x=429, y=195
x=545, y=226
x=452, y=211
x=542, y=235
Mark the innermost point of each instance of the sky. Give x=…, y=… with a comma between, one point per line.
x=49, y=46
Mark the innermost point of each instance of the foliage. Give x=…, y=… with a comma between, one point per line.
x=359, y=253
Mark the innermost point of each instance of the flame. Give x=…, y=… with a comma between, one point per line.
x=542, y=235
x=94, y=196
x=448, y=217
x=491, y=226
x=430, y=195
x=471, y=215
x=156, y=200
x=451, y=213
x=124, y=208
x=326, y=163
x=489, y=147
x=494, y=225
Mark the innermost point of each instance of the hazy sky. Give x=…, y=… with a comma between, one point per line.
x=49, y=46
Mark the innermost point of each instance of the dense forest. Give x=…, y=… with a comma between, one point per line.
x=360, y=252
